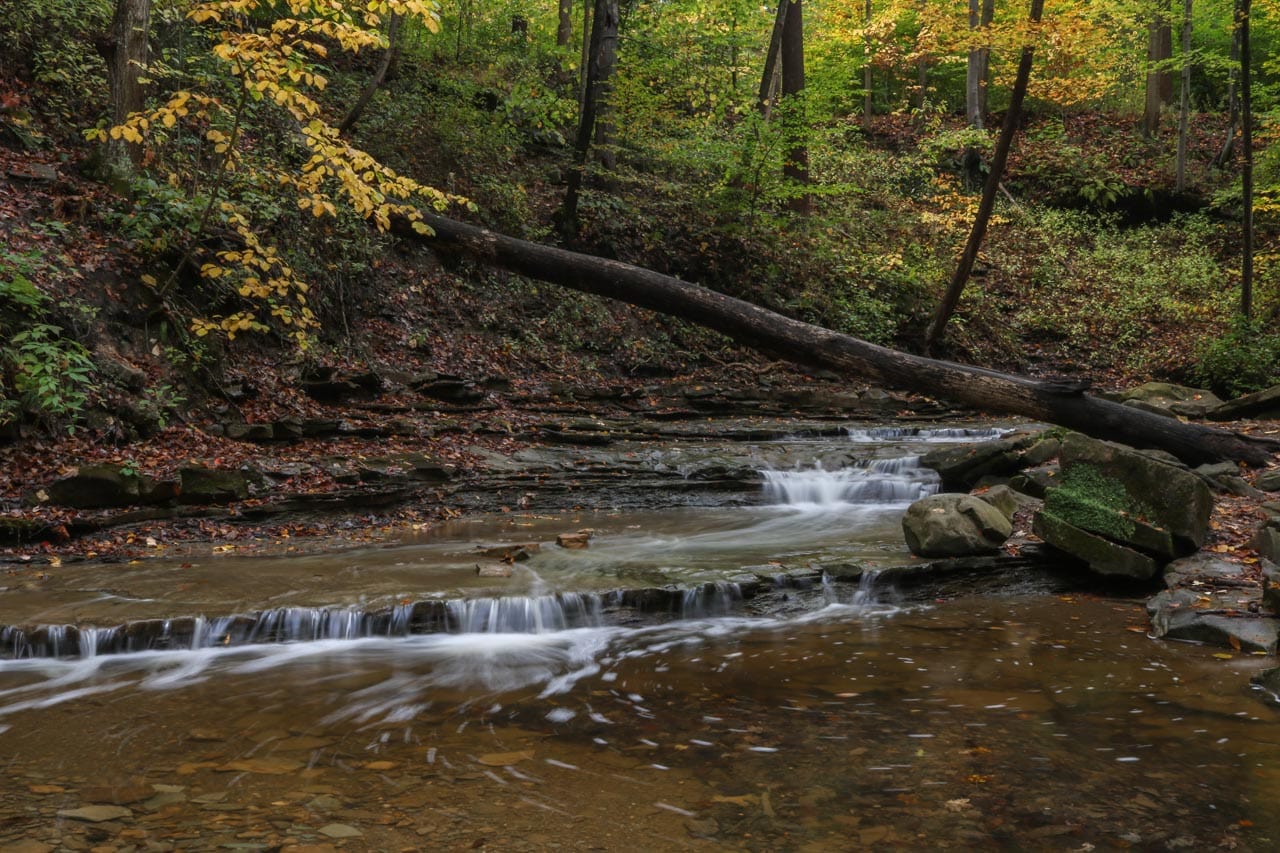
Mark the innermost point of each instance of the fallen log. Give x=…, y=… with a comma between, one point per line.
x=1062, y=403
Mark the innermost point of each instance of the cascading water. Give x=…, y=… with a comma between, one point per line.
x=939, y=434
x=886, y=481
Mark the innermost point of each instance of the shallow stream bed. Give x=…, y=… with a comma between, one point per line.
x=546, y=716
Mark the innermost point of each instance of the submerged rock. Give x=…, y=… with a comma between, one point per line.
x=493, y=570
x=951, y=525
x=574, y=541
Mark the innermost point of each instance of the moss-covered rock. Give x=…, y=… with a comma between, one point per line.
x=1103, y=556
x=97, y=487
x=1137, y=487
x=212, y=485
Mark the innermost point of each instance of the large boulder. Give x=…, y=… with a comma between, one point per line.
x=95, y=486
x=1122, y=511
x=1260, y=404
x=1170, y=399
x=961, y=467
x=953, y=525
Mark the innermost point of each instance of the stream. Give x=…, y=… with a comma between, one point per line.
x=699, y=677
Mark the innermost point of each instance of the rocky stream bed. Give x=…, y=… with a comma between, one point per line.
x=674, y=621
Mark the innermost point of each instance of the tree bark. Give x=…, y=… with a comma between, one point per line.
x=601, y=56
x=1184, y=101
x=125, y=52
x=796, y=167
x=975, y=85
x=867, y=103
x=769, y=77
x=1159, y=77
x=564, y=24
x=1233, y=103
x=1060, y=402
x=379, y=76
x=1243, y=11
x=988, y=202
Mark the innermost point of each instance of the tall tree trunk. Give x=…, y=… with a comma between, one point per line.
x=769, y=77
x=564, y=24
x=867, y=102
x=1159, y=77
x=608, y=19
x=1243, y=12
x=796, y=167
x=584, y=72
x=975, y=83
x=1228, y=149
x=601, y=56
x=998, y=159
x=1063, y=403
x=1184, y=100
x=125, y=50
x=379, y=76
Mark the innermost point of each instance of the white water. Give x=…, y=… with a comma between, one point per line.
x=882, y=481
x=812, y=515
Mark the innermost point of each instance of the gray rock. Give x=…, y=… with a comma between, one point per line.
x=1133, y=486
x=1035, y=482
x=212, y=485
x=96, y=814
x=97, y=486
x=1102, y=555
x=1181, y=614
x=1267, y=541
x=962, y=467
x=1270, y=585
x=1007, y=500
x=1269, y=481
x=1048, y=447
x=951, y=525
x=1225, y=477
x=1260, y=404
x=1167, y=398
x=493, y=570
x=339, y=830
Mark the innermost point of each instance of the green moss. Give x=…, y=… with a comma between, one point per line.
x=1087, y=498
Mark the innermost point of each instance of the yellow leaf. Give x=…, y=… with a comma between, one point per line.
x=423, y=228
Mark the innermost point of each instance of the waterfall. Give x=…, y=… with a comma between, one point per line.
x=710, y=599
x=949, y=434
x=880, y=481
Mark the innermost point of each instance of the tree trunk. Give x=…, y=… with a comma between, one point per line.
x=601, y=55
x=125, y=52
x=866, y=74
x=607, y=18
x=1243, y=11
x=998, y=159
x=796, y=167
x=769, y=77
x=584, y=74
x=1233, y=103
x=1184, y=100
x=388, y=59
x=564, y=24
x=1058, y=402
x=975, y=84
x=1159, y=77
